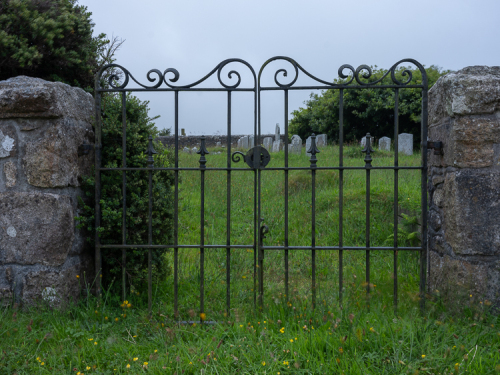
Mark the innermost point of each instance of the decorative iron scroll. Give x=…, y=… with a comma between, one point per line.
x=358, y=76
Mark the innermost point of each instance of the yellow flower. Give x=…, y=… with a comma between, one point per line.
x=77, y=276
x=282, y=330
x=263, y=363
x=105, y=318
x=96, y=312
x=156, y=350
x=296, y=339
x=42, y=363
x=291, y=340
x=265, y=322
x=423, y=355
x=128, y=365
x=135, y=359
x=190, y=363
x=371, y=329
x=129, y=305
x=95, y=342
x=116, y=319
x=241, y=325
x=90, y=339
x=203, y=316
x=88, y=368
x=145, y=363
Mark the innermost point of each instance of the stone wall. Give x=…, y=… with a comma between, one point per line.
x=464, y=184
x=41, y=250
x=191, y=141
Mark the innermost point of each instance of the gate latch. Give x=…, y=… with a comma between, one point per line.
x=257, y=157
x=437, y=146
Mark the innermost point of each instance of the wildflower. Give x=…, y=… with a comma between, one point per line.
x=42, y=363
x=203, y=316
x=371, y=329
x=291, y=340
x=145, y=363
x=89, y=340
x=241, y=325
x=338, y=360
x=156, y=350
x=190, y=363
x=128, y=365
x=243, y=277
x=264, y=322
x=423, y=355
x=96, y=312
x=77, y=276
x=296, y=339
x=95, y=342
x=116, y=319
x=282, y=330
x=135, y=359
x=263, y=363
x=341, y=350
x=105, y=318
x=88, y=368
x=129, y=305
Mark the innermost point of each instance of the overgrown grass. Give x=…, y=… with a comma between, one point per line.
x=363, y=335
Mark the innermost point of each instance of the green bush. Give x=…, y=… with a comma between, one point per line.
x=139, y=127
x=50, y=39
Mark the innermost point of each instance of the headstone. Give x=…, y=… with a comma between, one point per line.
x=363, y=141
x=194, y=150
x=244, y=142
x=308, y=145
x=186, y=150
x=251, y=141
x=277, y=145
x=277, y=133
x=268, y=143
x=239, y=144
x=405, y=143
x=384, y=144
x=321, y=140
x=218, y=144
x=296, y=145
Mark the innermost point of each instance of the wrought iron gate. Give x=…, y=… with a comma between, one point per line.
x=256, y=159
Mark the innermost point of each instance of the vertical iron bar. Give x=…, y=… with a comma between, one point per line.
x=257, y=207
x=367, y=229
x=286, y=196
x=176, y=207
x=396, y=195
x=97, y=161
x=424, y=253
x=150, y=226
x=313, y=238
x=260, y=264
x=124, y=193
x=341, y=194
x=202, y=243
x=228, y=198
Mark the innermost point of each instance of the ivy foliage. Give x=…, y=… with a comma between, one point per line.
x=365, y=111
x=49, y=39
x=139, y=126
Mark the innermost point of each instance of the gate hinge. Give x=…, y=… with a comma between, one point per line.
x=437, y=146
x=84, y=149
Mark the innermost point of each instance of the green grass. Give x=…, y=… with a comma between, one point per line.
x=364, y=335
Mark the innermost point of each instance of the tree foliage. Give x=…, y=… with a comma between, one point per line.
x=365, y=111
x=49, y=39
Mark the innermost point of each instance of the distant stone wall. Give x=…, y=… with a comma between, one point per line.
x=464, y=184
x=41, y=251
x=210, y=140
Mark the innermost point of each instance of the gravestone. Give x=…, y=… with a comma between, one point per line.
x=251, y=141
x=194, y=150
x=268, y=143
x=186, y=150
x=277, y=145
x=244, y=142
x=363, y=141
x=384, y=144
x=308, y=145
x=321, y=140
x=405, y=143
x=218, y=144
x=238, y=145
x=277, y=133
x=296, y=145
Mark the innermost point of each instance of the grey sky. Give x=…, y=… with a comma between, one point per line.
x=194, y=36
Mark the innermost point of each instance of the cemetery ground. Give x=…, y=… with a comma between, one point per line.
x=363, y=335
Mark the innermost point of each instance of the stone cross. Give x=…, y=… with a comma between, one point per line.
x=384, y=144
x=405, y=143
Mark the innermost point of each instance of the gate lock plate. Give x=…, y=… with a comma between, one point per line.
x=257, y=157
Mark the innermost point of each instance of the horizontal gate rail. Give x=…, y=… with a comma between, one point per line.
x=357, y=79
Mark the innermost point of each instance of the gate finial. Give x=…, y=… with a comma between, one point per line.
x=151, y=151
x=313, y=150
x=203, y=151
x=368, y=149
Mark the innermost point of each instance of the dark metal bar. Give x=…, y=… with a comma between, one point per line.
x=396, y=195
x=341, y=195
x=176, y=207
x=260, y=264
x=313, y=150
x=228, y=210
x=202, y=151
x=311, y=87
x=97, y=197
x=368, y=166
x=286, y=195
x=269, y=169
x=139, y=246
x=124, y=194
x=151, y=151
x=424, y=254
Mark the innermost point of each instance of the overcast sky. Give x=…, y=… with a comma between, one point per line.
x=193, y=36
